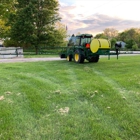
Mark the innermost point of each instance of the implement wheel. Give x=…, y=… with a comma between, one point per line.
x=69, y=58
x=62, y=56
x=94, y=59
x=78, y=56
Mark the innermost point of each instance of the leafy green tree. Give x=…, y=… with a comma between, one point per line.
x=34, y=21
x=135, y=47
x=113, y=41
x=130, y=36
x=110, y=33
x=58, y=37
x=130, y=43
x=101, y=35
x=9, y=43
x=3, y=29
x=6, y=8
x=121, y=36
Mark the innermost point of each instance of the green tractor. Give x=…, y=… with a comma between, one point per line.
x=84, y=47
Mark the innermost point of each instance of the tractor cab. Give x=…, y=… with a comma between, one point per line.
x=80, y=40
x=85, y=39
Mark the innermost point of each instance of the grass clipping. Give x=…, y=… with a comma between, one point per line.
x=63, y=111
x=1, y=98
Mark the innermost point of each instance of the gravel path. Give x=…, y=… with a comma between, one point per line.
x=13, y=60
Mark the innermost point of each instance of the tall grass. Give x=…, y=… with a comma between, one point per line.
x=62, y=100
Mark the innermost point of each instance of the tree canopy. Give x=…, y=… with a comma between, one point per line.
x=130, y=36
x=31, y=23
x=110, y=33
x=36, y=22
x=6, y=8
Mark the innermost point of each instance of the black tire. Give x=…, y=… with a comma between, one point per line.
x=97, y=59
x=78, y=56
x=94, y=59
x=62, y=56
x=69, y=58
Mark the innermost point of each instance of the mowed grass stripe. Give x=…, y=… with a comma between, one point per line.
x=121, y=101
x=30, y=86
x=118, y=101
x=42, y=90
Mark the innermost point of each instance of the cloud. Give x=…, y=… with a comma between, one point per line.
x=65, y=13
x=99, y=22
x=94, y=23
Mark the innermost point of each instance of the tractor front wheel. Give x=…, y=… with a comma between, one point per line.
x=78, y=56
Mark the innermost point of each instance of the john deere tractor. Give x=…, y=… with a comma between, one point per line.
x=84, y=47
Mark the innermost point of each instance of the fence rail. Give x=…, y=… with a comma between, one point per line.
x=10, y=52
x=20, y=52
x=43, y=50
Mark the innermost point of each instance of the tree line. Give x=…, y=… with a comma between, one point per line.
x=34, y=23
x=130, y=36
x=31, y=23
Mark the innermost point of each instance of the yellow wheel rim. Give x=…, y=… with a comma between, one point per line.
x=76, y=57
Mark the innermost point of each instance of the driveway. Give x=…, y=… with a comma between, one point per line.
x=13, y=60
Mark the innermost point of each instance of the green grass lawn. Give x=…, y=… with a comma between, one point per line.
x=62, y=100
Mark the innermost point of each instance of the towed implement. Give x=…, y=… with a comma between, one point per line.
x=84, y=47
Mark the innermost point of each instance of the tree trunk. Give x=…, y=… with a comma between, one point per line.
x=36, y=49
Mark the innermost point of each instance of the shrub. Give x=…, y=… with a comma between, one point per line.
x=135, y=47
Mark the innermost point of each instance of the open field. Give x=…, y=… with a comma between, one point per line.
x=60, y=100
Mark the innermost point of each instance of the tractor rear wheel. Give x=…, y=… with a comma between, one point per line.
x=78, y=56
x=69, y=57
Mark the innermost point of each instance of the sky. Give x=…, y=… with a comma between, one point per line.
x=94, y=16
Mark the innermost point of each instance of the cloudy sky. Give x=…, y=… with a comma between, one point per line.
x=93, y=16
